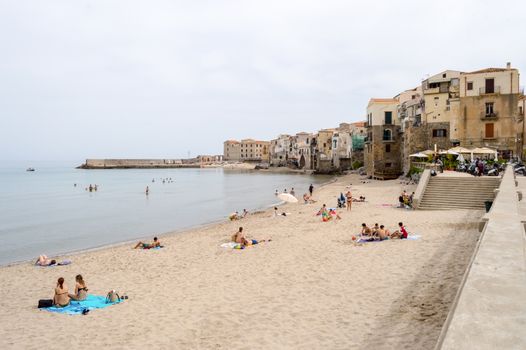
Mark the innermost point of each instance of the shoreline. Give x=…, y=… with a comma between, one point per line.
x=167, y=234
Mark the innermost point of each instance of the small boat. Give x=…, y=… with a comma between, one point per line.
x=30, y=169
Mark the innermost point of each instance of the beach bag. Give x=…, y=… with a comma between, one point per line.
x=112, y=297
x=43, y=303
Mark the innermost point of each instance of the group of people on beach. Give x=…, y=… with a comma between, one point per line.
x=90, y=188
x=237, y=216
x=405, y=200
x=62, y=297
x=379, y=232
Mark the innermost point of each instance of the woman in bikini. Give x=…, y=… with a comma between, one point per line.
x=81, y=291
x=61, y=297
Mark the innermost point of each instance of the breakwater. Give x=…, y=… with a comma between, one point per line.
x=140, y=163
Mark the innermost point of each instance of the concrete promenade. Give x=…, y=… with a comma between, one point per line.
x=490, y=309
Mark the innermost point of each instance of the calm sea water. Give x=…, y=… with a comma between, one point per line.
x=43, y=212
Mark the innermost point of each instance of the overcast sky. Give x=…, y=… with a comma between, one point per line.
x=158, y=79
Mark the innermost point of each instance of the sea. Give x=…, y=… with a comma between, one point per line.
x=51, y=210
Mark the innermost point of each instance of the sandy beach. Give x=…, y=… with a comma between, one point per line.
x=310, y=288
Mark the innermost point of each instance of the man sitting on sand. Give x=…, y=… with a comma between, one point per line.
x=239, y=237
x=155, y=244
x=402, y=233
x=366, y=231
x=375, y=229
x=383, y=233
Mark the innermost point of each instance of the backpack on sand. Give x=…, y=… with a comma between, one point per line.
x=112, y=297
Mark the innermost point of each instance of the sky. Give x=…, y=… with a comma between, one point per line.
x=167, y=79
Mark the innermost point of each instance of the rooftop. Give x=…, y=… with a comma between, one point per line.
x=489, y=70
x=383, y=100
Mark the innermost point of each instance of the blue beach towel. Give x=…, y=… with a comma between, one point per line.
x=77, y=307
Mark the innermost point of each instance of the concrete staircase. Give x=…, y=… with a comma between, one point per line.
x=450, y=192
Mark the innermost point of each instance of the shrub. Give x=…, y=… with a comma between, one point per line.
x=414, y=170
x=356, y=164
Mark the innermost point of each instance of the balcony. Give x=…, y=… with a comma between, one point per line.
x=485, y=91
x=388, y=138
x=489, y=116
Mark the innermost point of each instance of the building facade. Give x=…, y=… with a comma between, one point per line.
x=382, y=145
x=248, y=150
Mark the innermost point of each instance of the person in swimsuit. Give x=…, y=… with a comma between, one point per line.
x=61, y=297
x=401, y=233
x=348, y=195
x=45, y=261
x=383, y=233
x=81, y=291
x=155, y=244
x=366, y=231
x=239, y=237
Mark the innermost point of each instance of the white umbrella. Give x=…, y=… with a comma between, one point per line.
x=449, y=152
x=418, y=155
x=287, y=197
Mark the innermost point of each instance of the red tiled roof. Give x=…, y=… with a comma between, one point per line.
x=359, y=124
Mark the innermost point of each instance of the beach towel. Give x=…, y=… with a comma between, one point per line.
x=370, y=240
x=61, y=263
x=77, y=307
x=232, y=245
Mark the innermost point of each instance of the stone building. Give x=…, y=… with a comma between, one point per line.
x=280, y=149
x=301, y=149
x=342, y=147
x=382, y=145
x=232, y=150
x=489, y=110
x=248, y=150
x=324, y=160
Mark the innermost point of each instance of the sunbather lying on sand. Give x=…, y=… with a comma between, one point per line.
x=155, y=244
x=45, y=261
x=361, y=199
x=239, y=237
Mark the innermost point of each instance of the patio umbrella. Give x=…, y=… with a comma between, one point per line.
x=428, y=152
x=287, y=197
x=418, y=155
x=461, y=158
x=449, y=152
x=459, y=149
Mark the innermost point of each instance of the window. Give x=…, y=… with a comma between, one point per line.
x=490, y=85
x=388, y=118
x=489, y=131
x=439, y=132
x=521, y=112
x=470, y=85
x=387, y=148
x=444, y=75
x=387, y=135
x=489, y=109
x=387, y=165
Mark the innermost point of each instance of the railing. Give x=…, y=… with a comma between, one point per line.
x=485, y=91
x=489, y=116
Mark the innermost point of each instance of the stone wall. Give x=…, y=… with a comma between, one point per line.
x=382, y=157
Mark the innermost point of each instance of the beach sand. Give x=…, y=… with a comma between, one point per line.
x=310, y=288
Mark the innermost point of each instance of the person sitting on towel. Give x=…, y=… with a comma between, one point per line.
x=61, y=297
x=81, y=291
x=401, y=233
x=383, y=233
x=366, y=231
x=155, y=244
